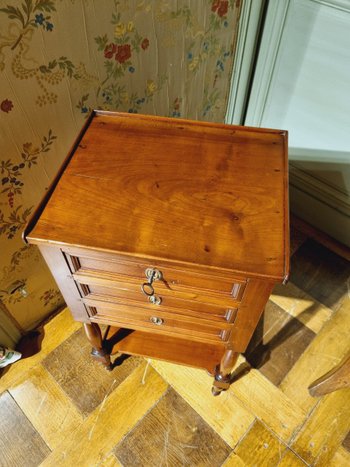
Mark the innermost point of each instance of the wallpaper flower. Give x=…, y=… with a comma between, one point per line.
x=59, y=59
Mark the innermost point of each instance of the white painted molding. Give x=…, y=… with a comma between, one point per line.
x=339, y=4
x=248, y=33
x=321, y=215
x=270, y=43
x=318, y=201
x=315, y=187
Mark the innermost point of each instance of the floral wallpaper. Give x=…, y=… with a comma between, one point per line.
x=59, y=59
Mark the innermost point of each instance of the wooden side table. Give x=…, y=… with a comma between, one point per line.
x=171, y=232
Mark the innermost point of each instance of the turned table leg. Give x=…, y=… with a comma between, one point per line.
x=222, y=378
x=94, y=336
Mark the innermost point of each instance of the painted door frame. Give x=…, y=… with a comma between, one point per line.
x=9, y=333
x=315, y=201
x=250, y=22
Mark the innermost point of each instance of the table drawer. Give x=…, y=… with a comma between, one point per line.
x=157, y=321
x=212, y=307
x=172, y=278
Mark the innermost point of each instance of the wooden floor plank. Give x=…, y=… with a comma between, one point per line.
x=224, y=413
x=277, y=343
x=234, y=461
x=255, y=418
x=110, y=461
x=72, y=367
x=327, y=349
x=109, y=422
x=290, y=459
x=325, y=430
x=297, y=238
x=321, y=273
x=20, y=443
x=268, y=403
x=179, y=437
x=346, y=442
x=341, y=458
x=261, y=444
x=46, y=405
x=301, y=305
x=56, y=331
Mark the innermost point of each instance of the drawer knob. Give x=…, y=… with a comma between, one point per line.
x=153, y=274
x=155, y=300
x=147, y=287
x=156, y=320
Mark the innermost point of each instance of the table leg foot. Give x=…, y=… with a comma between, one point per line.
x=93, y=333
x=222, y=378
x=215, y=391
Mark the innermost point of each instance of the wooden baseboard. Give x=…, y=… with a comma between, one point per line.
x=321, y=237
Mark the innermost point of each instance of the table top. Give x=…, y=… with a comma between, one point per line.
x=190, y=192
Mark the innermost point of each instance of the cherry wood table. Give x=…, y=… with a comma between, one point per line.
x=171, y=232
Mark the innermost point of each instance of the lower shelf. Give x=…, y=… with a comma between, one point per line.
x=167, y=348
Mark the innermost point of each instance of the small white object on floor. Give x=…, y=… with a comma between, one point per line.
x=8, y=356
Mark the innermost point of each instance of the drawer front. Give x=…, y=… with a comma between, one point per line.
x=217, y=309
x=172, y=278
x=157, y=321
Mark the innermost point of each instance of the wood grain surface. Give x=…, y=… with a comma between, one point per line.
x=168, y=348
x=16, y=434
x=75, y=374
x=202, y=330
x=327, y=349
x=298, y=303
x=179, y=437
x=269, y=404
x=321, y=273
x=55, y=332
x=187, y=191
x=261, y=444
x=38, y=394
x=225, y=414
x=110, y=422
x=284, y=341
x=262, y=424
x=337, y=378
x=205, y=203
x=325, y=429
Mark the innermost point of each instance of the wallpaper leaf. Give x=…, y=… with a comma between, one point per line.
x=61, y=59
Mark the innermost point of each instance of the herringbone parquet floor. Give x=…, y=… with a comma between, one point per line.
x=59, y=408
